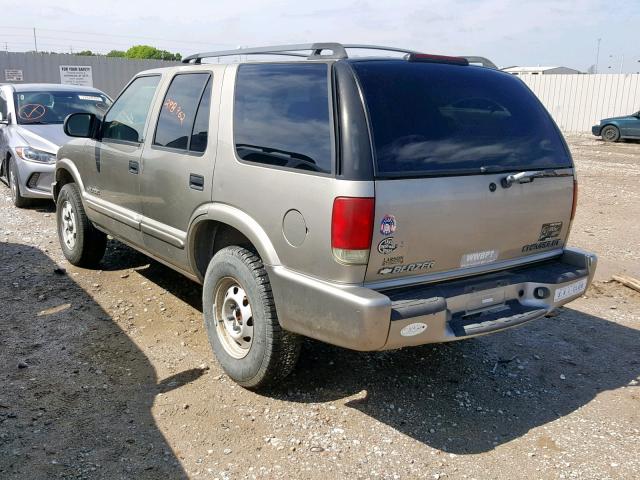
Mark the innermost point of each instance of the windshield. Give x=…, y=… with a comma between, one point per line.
x=53, y=107
x=438, y=119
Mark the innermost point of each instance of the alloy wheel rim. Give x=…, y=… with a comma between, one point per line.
x=69, y=225
x=233, y=317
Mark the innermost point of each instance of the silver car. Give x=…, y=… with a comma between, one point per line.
x=372, y=202
x=31, y=118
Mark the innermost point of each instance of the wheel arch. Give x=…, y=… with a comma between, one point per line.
x=216, y=226
x=66, y=172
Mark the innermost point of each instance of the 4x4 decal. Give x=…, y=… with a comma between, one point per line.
x=550, y=230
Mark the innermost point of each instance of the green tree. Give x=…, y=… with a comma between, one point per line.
x=116, y=53
x=147, y=51
x=86, y=53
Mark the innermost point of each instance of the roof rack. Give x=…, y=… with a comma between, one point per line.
x=338, y=51
x=485, y=62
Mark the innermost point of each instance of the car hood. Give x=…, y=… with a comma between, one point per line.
x=613, y=119
x=43, y=137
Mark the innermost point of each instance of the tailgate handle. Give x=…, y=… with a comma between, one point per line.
x=196, y=181
x=528, y=177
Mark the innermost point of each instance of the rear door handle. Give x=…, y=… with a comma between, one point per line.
x=134, y=167
x=196, y=181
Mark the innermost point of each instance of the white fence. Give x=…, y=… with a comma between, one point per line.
x=577, y=102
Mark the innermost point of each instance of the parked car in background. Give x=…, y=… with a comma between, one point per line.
x=31, y=118
x=618, y=128
x=366, y=202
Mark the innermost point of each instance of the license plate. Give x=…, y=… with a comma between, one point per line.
x=570, y=290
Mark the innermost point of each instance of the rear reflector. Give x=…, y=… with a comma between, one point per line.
x=428, y=58
x=351, y=229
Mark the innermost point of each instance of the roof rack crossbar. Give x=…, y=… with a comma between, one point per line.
x=338, y=51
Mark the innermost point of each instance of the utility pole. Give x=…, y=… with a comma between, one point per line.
x=35, y=40
x=622, y=64
x=598, y=54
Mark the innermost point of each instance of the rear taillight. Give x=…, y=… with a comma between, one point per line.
x=351, y=229
x=575, y=198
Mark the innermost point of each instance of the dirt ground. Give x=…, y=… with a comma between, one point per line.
x=108, y=374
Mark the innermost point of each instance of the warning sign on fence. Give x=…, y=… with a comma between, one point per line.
x=13, y=75
x=76, y=75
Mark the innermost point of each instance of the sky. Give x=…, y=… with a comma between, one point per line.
x=509, y=32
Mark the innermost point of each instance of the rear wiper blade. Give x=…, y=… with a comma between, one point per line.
x=530, y=176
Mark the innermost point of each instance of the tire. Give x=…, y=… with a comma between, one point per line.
x=82, y=244
x=247, y=339
x=14, y=185
x=610, y=133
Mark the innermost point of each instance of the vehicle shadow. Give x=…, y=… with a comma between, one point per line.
x=75, y=391
x=462, y=397
x=469, y=397
x=43, y=206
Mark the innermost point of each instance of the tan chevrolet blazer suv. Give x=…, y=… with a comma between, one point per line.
x=370, y=202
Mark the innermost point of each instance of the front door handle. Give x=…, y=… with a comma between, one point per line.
x=134, y=167
x=196, y=181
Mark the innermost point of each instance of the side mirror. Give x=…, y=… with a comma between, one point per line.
x=81, y=125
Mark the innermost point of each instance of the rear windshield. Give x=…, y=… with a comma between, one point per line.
x=437, y=119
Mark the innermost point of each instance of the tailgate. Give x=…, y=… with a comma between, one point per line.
x=471, y=172
x=444, y=224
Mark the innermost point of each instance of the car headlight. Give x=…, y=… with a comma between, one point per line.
x=34, y=155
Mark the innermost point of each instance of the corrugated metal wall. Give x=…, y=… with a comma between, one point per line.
x=577, y=102
x=109, y=74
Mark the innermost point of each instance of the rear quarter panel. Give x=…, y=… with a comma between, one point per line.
x=268, y=195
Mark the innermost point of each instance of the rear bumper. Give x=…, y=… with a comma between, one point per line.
x=596, y=130
x=363, y=319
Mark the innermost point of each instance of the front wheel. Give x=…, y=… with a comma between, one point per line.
x=610, y=133
x=241, y=320
x=82, y=243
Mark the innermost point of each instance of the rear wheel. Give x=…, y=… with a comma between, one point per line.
x=610, y=133
x=241, y=320
x=82, y=243
x=12, y=175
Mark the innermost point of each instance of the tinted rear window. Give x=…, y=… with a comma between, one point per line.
x=281, y=116
x=447, y=119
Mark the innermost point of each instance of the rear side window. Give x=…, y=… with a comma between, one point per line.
x=281, y=116
x=185, y=113
x=431, y=119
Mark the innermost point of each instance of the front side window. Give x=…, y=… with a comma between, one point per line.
x=183, y=122
x=281, y=116
x=50, y=107
x=128, y=115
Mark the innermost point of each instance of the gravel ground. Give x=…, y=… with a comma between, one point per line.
x=108, y=374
